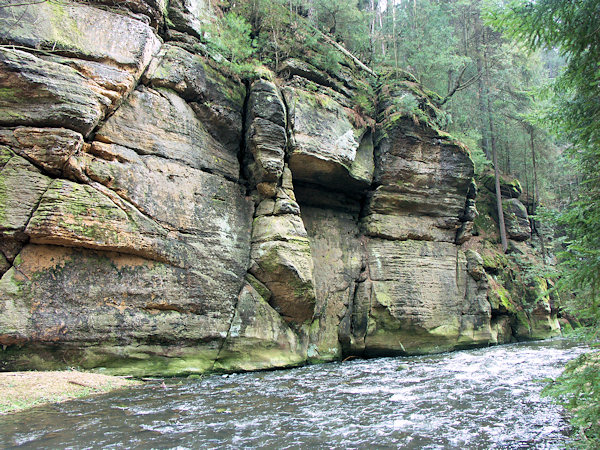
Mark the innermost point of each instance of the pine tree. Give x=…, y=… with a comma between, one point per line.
x=573, y=27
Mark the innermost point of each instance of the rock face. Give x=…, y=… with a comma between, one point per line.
x=160, y=216
x=521, y=301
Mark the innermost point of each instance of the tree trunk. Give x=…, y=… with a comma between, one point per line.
x=501, y=224
x=498, y=191
x=372, y=32
x=481, y=89
x=394, y=37
x=380, y=16
x=526, y=176
x=536, y=193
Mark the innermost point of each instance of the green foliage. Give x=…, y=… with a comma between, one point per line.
x=364, y=104
x=230, y=37
x=343, y=20
x=572, y=28
x=329, y=60
x=427, y=41
x=578, y=390
x=481, y=162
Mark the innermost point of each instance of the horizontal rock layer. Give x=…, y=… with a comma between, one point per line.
x=160, y=216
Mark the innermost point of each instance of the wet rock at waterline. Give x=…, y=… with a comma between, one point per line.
x=159, y=215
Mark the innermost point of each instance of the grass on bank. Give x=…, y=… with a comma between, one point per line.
x=22, y=390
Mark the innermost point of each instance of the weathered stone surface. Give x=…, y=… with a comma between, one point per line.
x=293, y=66
x=47, y=148
x=35, y=92
x=502, y=330
x=301, y=73
x=98, y=309
x=175, y=195
x=258, y=337
x=280, y=253
x=286, y=268
x=147, y=254
x=217, y=100
x=536, y=325
x=77, y=215
x=82, y=31
x=424, y=181
x=266, y=137
x=516, y=220
x=537, y=320
x=158, y=122
x=326, y=146
x=390, y=226
x=4, y=264
x=153, y=9
x=125, y=312
x=207, y=219
x=163, y=304
x=285, y=203
x=21, y=188
x=544, y=323
x=11, y=246
x=517, y=294
x=475, y=265
x=286, y=228
x=5, y=155
x=509, y=187
x=423, y=299
x=190, y=16
x=111, y=82
x=337, y=253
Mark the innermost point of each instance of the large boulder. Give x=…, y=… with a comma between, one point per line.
x=422, y=299
x=509, y=187
x=159, y=122
x=327, y=148
x=259, y=338
x=81, y=31
x=516, y=220
x=50, y=149
x=22, y=186
x=423, y=182
x=190, y=16
x=266, y=136
x=216, y=99
x=281, y=259
x=43, y=93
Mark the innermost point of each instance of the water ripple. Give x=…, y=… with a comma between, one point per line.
x=485, y=398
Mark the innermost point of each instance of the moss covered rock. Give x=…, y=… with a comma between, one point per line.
x=509, y=187
x=516, y=220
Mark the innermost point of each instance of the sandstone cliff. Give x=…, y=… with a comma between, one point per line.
x=159, y=215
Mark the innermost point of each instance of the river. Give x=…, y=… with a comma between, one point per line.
x=483, y=398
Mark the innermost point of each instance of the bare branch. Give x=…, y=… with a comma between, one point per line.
x=459, y=86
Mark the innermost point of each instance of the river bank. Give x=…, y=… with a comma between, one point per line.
x=22, y=390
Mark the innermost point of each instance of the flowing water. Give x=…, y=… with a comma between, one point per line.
x=485, y=398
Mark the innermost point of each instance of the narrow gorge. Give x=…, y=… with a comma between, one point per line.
x=160, y=215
